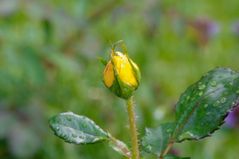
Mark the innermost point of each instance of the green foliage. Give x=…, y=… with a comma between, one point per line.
x=77, y=129
x=48, y=64
x=157, y=139
x=203, y=107
x=200, y=111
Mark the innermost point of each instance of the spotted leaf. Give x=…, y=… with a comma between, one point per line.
x=203, y=107
x=77, y=129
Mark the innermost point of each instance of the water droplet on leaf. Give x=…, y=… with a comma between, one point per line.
x=200, y=93
x=223, y=100
x=84, y=125
x=68, y=118
x=201, y=87
x=213, y=83
x=206, y=105
x=188, y=97
x=74, y=135
x=149, y=147
x=216, y=103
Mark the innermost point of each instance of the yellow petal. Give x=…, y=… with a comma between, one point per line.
x=124, y=69
x=109, y=74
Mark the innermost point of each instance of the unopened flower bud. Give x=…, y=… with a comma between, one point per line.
x=121, y=75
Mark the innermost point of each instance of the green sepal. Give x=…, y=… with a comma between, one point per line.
x=122, y=45
x=136, y=72
x=126, y=90
x=115, y=88
x=103, y=61
x=121, y=90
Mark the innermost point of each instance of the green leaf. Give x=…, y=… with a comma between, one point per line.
x=156, y=139
x=175, y=157
x=76, y=129
x=203, y=107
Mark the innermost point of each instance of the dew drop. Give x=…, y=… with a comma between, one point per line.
x=223, y=100
x=64, y=135
x=57, y=128
x=213, y=83
x=80, y=139
x=69, y=118
x=149, y=147
x=188, y=97
x=201, y=87
x=200, y=93
x=74, y=135
x=217, y=103
x=84, y=125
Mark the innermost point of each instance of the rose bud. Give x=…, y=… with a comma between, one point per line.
x=121, y=75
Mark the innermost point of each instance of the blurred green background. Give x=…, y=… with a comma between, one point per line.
x=49, y=64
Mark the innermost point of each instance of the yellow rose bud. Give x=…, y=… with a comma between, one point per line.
x=121, y=75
